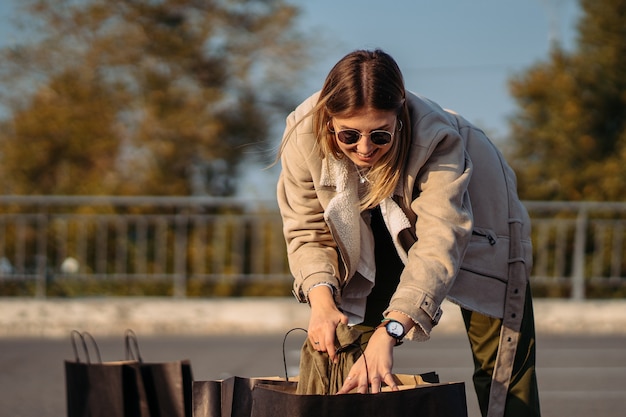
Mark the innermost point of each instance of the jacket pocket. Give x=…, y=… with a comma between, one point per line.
x=486, y=234
x=487, y=254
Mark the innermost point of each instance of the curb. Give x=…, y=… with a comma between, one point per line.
x=55, y=318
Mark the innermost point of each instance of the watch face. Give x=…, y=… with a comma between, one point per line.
x=395, y=329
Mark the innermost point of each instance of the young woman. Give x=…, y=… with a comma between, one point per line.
x=391, y=204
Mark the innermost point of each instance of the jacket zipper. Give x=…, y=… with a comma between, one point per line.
x=491, y=239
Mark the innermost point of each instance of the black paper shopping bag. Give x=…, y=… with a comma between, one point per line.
x=125, y=388
x=102, y=389
x=427, y=400
x=231, y=397
x=167, y=385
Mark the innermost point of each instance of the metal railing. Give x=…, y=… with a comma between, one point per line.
x=579, y=244
x=177, y=239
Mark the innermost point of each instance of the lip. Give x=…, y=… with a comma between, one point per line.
x=369, y=157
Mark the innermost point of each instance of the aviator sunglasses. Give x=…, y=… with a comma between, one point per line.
x=352, y=136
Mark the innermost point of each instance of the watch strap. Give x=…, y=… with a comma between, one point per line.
x=384, y=322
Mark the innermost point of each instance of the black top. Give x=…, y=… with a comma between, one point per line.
x=389, y=266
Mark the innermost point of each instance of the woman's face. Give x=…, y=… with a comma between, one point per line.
x=364, y=152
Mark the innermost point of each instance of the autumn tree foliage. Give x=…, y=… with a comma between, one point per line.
x=569, y=134
x=132, y=97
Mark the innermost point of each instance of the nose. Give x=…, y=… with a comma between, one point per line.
x=365, y=144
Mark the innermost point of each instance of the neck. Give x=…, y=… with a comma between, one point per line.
x=363, y=173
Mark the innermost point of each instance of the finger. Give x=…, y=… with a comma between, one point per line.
x=348, y=385
x=375, y=385
x=363, y=386
x=314, y=341
x=390, y=381
x=332, y=352
x=329, y=346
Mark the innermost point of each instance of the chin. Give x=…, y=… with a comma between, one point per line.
x=364, y=163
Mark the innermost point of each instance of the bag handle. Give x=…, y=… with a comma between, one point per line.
x=284, y=342
x=340, y=349
x=130, y=336
x=82, y=336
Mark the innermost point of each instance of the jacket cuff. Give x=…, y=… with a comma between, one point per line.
x=302, y=286
x=423, y=310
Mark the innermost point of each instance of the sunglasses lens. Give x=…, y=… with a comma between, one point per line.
x=349, y=137
x=380, y=138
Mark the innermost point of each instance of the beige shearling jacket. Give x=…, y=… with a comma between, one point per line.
x=453, y=237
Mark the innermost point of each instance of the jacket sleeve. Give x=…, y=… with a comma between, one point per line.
x=311, y=250
x=443, y=226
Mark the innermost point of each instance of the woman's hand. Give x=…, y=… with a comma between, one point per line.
x=374, y=367
x=325, y=317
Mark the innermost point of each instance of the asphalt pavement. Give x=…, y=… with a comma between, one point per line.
x=581, y=347
x=578, y=375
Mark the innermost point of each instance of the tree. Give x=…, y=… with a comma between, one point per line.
x=569, y=134
x=142, y=97
x=64, y=141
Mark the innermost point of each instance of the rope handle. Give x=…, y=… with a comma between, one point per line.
x=341, y=349
x=284, y=342
x=73, y=335
x=130, y=341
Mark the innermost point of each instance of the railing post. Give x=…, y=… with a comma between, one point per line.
x=180, y=256
x=578, y=259
x=41, y=255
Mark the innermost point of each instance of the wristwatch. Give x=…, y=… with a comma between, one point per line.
x=394, y=329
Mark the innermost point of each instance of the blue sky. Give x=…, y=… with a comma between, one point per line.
x=459, y=53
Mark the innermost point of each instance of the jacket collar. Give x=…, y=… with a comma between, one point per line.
x=343, y=210
x=335, y=173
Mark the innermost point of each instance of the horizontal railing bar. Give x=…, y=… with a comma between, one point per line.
x=182, y=201
x=51, y=200
x=575, y=205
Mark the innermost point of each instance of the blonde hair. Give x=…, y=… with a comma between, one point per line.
x=360, y=80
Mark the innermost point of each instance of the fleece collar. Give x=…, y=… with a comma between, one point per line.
x=343, y=214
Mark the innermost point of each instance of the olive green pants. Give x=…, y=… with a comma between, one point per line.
x=484, y=336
